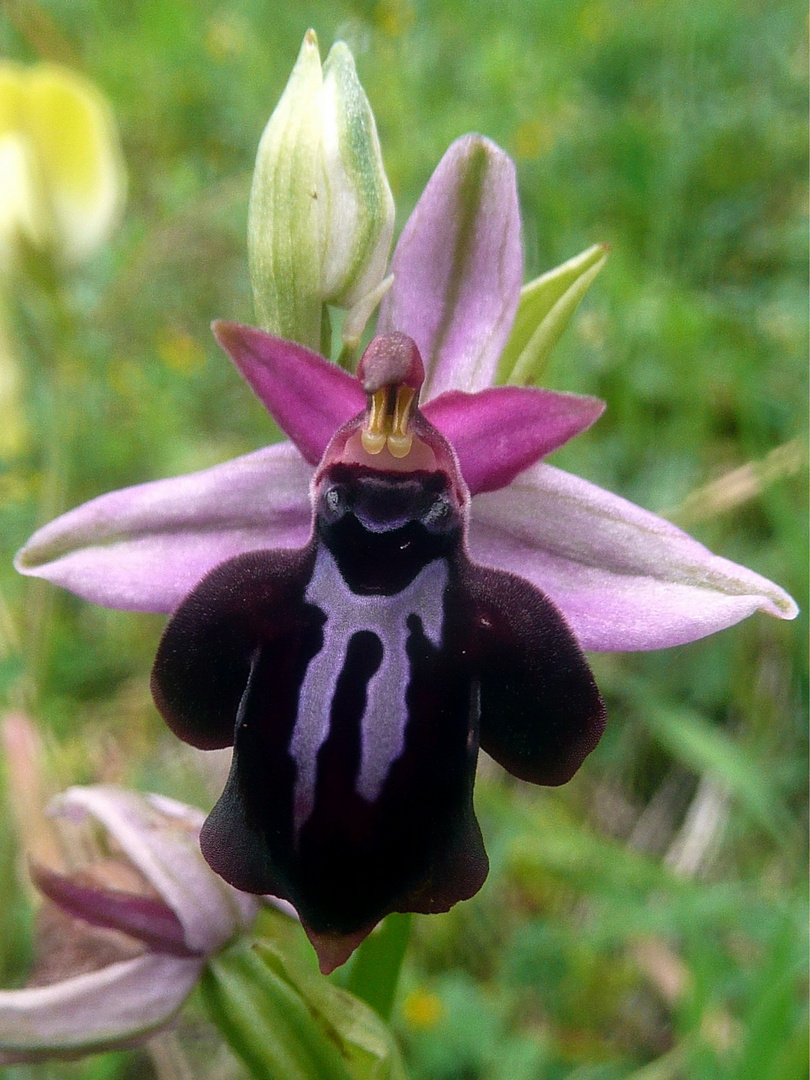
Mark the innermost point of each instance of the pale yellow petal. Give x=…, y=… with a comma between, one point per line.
x=11, y=96
x=21, y=210
x=76, y=142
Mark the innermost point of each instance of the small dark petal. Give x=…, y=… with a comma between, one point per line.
x=203, y=662
x=147, y=920
x=541, y=712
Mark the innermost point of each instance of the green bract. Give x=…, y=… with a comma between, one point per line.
x=546, y=306
x=321, y=211
x=284, y=1021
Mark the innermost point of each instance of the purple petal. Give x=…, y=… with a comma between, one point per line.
x=308, y=397
x=497, y=433
x=458, y=268
x=141, y=917
x=114, y=1006
x=144, y=548
x=624, y=578
x=165, y=849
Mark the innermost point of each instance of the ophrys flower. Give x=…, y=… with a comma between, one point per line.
x=408, y=581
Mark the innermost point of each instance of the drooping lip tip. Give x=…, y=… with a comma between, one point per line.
x=333, y=950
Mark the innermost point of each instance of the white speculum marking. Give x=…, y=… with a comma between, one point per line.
x=386, y=712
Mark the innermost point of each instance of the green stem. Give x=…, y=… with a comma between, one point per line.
x=48, y=327
x=375, y=970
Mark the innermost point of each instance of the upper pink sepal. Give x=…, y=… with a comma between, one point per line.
x=458, y=268
x=309, y=397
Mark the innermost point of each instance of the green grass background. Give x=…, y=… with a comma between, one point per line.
x=677, y=133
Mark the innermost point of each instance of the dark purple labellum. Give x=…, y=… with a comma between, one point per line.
x=356, y=678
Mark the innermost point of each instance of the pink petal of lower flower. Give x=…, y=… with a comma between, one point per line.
x=458, y=268
x=112, y=1007
x=308, y=397
x=497, y=433
x=141, y=917
x=624, y=578
x=145, y=547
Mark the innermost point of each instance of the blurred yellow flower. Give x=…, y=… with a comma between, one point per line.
x=62, y=179
x=422, y=1010
x=180, y=351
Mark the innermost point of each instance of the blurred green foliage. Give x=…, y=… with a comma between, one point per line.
x=647, y=921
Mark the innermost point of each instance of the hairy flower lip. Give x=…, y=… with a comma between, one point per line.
x=384, y=600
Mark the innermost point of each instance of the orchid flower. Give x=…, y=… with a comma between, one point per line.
x=360, y=608
x=154, y=888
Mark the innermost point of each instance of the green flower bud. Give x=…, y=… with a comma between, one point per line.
x=321, y=211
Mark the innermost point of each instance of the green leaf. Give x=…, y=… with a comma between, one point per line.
x=575, y=855
x=286, y=1022
x=667, y=1067
x=267, y=1022
x=375, y=966
x=710, y=751
x=546, y=306
x=367, y=1046
x=775, y=1024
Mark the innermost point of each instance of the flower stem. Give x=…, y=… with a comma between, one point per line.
x=375, y=969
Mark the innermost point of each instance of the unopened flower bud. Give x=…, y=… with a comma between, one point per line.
x=321, y=211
